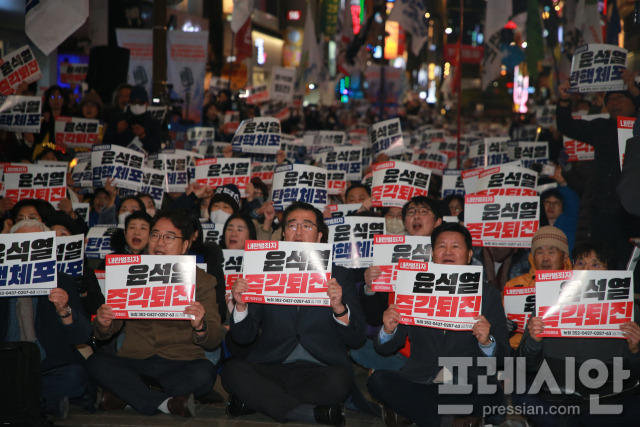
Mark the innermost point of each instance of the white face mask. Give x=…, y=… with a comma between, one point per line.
x=219, y=216
x=394, y=226
x=137, y=109
x=122, y=217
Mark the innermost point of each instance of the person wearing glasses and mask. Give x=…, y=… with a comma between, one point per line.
x=168, y=354
x=299, y=369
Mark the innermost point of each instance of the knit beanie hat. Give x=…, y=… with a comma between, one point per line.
x=550, y=236
x=229, y=194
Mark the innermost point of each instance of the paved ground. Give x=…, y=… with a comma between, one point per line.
x=210, y=415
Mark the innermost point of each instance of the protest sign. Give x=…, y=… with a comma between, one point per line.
x=433, y=160
x=530, y=152
x=336, y=183
x=395, y=183
x=352, y=239
x=212, y=232
x=438, y=296
x=290, y=273
x=231, y=121
x=17, y=67
x=20, y=113
x=598, y=68
x=452, y=183
x=625, y=132
x=28, y=181
x=282, y=82
x=153, y=183
x=495, y=180
x=489, y=152
x=199, y=135
x=578, y=151
x=82, y=172
x=232, y=268
x=519, y=305
x=502, y=221
x=524, y=133
x=342, y=210
x=546, y=116
x=386, y=137
x=122, y=164
x=344, y=159
x=70, y=254
x=470, y=179
x=82, y=210
x=27, y=264
x=299, y=183
x=257, y=135
x=150, y=286
x=76, y=132
x=389, y=250
x=99, y=241
x=139, y=42
x=222, y=170
x=174, y=164
x=73, y=74
x=257, y=94
x=584, y=303
x=157, y=112
x=264, y=171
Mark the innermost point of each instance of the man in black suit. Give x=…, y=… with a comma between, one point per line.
x=413, y=391
x=299, y=369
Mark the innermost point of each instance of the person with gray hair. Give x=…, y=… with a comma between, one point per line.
x=56, y=323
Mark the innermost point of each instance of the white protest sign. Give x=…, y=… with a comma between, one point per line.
x=200, y=135
x=232, y=267
x=264, y=171
x=257, y=135
x=577, y=150
x=99, y=241
x=506, y=177
x=150, y=286
x=386, y=137
x=344, y=159
x=257, y=94
x=502, y=221
x=530, y=152
x=519, y=305
x=432, y=160
x=470, y=179
x=339, y=211
x=76, y=132
x=82, y=210
x=17, y=67
x=174, y=164
x=625, y=132
x=598, y=68
x=290, y=273
x=27, y=264
x=389, y=250
x=452, y=183
x=20, y=113
x=153, y=183
x=438, y=296
x=70, y=254
x=212, y=232
x=28, y=181
x=299, y=183
x=82, y=172
x=122, y=164
x=584, y=303
x=490, y=151
x=352, y=239
x=546, y=116
x=395, y=183
x=336, y=183
x=224, y=170
x=157, y=112
x=282, y=83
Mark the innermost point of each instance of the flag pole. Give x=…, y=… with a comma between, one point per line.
x=458, y=81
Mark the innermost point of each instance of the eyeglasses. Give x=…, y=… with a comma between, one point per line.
x=584, y=263
x=421, y=211
x=552, y=203
x=167, y=238
x=55, y=97
x=294, y=226
x=23, y=217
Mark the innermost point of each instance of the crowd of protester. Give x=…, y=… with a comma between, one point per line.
x=296, y=364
